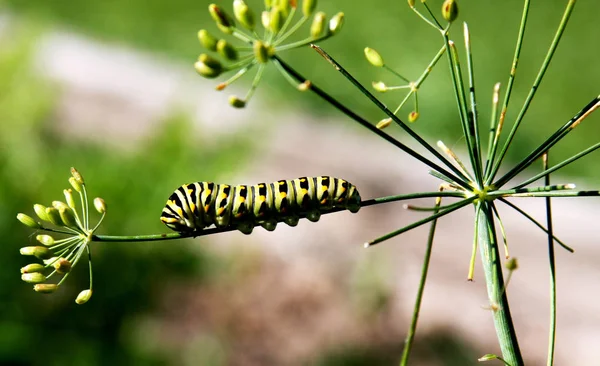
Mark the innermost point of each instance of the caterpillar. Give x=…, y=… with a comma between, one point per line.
x=194, y=206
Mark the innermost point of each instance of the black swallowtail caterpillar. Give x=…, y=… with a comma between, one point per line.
x=195, y=206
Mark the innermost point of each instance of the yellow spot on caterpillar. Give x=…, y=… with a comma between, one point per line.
x=324, y=188
x=179, y=211
x=324, y=201
x=282, y=183
x=208, y=192
x=168, y=220
x=192, y=206
x=282, y=195
x=206, y=207
x=304, y=191
x=220, y=211
x=242, y=199
x=189, y=191
x=223, y=195
x=262, y=198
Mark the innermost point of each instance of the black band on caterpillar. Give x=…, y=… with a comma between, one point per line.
x=194, y=206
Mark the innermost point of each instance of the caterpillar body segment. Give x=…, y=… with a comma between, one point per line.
x=194, y=206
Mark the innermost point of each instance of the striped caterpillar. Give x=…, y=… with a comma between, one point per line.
x=194, y=206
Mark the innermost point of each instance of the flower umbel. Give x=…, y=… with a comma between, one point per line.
x=59, y=256
x=258, y=50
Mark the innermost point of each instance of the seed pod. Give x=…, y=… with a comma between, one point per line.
x=69, y=198
x=28, y=221
x=207, y=40
x=336, y=23
x=33, y=267
x=54, y=216
x=380, y=86
x=236, y=102
x=226, y=50
x=45, y=288
x=261, y=52
x=413, y=116
x=47, y=240
x=100, y=205
x=243, y=14
x=318, y=25
x=83, y=297
x=62, y=266
x=384, y=123
x=40, y=211
x=208, y=67
x=373, y=57
x=308, y=7
x=34, y=277
x=450, y=10
x=222, y=19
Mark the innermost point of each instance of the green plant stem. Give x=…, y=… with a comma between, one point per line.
x=511, y=79
x=560, y=165
x=551, y=141
x=363, y=122
x=552, y=261
x=461, y=181
x=492, y=268
x=213, y=230
x=424, y=269
x=534, y=88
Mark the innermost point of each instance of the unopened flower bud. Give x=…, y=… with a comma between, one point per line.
x=100, y=205
x=261, y=52
x=487, y=357
x=45, y=288
x=336, y=23
x=83, y=297
x=380, y=86
x=226, y=50
x=450, y=10
x=34, y=277
x=207, y=40
x=413, y=116
x=384, y=123
x=33, y=267
x=78, y=177
x=276, y=19
x=236, y=102
x=512, y=264
x=38, y=251
x=69, y=198
x=222, y=19
x=28, y=221
x=318, y=25
x=54, y=216
x=411, y=3
x=305, y=85
x=59, y=204
x=208, y=67
x=40, y=211
x=308, y=7
x=62, y=266
x=47, y=240
x=373, y=57
x=243, y=14
x=265, y=19
x=67, y=216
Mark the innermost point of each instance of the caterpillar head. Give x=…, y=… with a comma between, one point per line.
x=354, y=200
x=173, y=215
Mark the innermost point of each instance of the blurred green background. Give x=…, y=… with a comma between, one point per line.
x=131, y=279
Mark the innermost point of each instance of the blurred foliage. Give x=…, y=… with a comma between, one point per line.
x=407, y=45
x=129, y=279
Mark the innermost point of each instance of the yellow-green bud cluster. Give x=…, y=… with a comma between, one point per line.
x=279, y=24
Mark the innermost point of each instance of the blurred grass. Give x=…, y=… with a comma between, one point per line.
x=406, y=44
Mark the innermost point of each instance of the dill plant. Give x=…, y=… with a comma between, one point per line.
x=476, y=185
